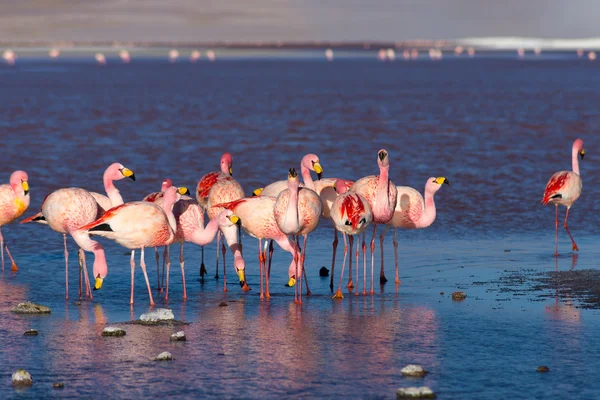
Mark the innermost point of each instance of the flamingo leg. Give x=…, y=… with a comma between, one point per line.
x=302, y=259
x=260, y=261
x=338, y=294
x=167, y=257
x=182, y=263
x=556, y=239
x=80, y=271
x=163, y=269
x=270, y=258
x=381, y=239
x=218, y=245
x=268, y=272
x=4, y=246
x=223, y=250
x=202, y=267
x=575, y=248
x=350, y=284
x=66, y=268
x=396, y=255
x=334, y=245
x=132, y=263
x=298, y=288
x=83, y=265
x=143, y=265
x=157, y=256
x=364, y=252
x=373, y=259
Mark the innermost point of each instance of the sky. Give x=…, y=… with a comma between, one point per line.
x=299, y=20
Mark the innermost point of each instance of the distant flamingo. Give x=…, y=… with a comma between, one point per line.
x=114, y=172
x=65, y=211
x=380, y=193
x=564, y=188
x=14, y=200
x=412, y=211
x=214, y=188
x=138, y=225
x=351, y=214
x=258, y=220
x=297, y=212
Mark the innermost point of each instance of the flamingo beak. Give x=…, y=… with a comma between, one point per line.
x=183, y=190
x=582, y=153
x=257, y=192
x=98, y=284
x=25, y=187
x=234, y=219
x=230, y=170
x=318, y=169
x=291, y=282
x=127, y=173
x=241, y=273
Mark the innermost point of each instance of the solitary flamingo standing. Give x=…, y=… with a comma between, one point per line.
x=138, y=225
x=297, y=212
x=65, y=211
x=114, y=172
x=564, y=188
x=380, y=192
x=412, y=211
x=14, y=200
x=258, y=220
x=351, y=214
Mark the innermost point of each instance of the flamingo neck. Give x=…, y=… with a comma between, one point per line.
x=575, y=161
x=83, y=240
x=231, y=236
x=429, y=213
x=204, y=235
x=291, y=223
x=308, y=181
x=112, y=192
x=382, y=195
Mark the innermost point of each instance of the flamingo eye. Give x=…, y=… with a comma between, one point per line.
x=348, y=222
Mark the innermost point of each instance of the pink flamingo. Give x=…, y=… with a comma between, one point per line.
x=167, y=183
x=297, y=212
x=216, y=188
x=14, y=200
x=412, y=211
x=564, y=188
x=137, y=225
x=310, y=162
x=351, y=214
x=380, y=192
x=114, y=172
x=65, y=211
x=258, y=220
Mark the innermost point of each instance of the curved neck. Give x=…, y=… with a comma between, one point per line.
x=383, y=184
x=204, y=235
x=308, y=181
x=290, y=221
x=575, y=160
x=83, y=240
x=231, y=236
x=429, y=212
x=112, y=192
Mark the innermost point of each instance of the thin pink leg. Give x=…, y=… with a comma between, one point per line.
x=350, y=284
x=224, y=250
x=268, y=270
x=132, y=263
x=66, y=268
x=157, y=256
x=260, y=261
x=296, y=261
x=556, y=240
x=308, y=292
x=382, y=278
x=373, y=260
x=80, y=272
x=575, y=248
x=396, y=255
x=364, y=252
x=2, y=246
x=143, y=265
x=163, y=270
x=338, y=294
x=88, y=287
x=218, y=245
x=182, y=263
x=357, y=260
x=167, y=257
x=334, y=244
x=203, y=271
x=13, y=266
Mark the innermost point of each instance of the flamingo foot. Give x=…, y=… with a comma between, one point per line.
x=308, y=293
x=397, y=281
x=14, y=267
x=338, y=294
x=556, y=254
x=350, y=285
x=246, y=288
x=575, y=248
x=382, y=279
x=267, y=295
x=152, y=304
x=372, y=291
x=298, y=302
x=203, y=272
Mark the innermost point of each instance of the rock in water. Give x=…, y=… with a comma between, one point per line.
x=58, y=385
x=422, y=392
x=543, y=368
x=323, y=272
x=30, y=308
x=113, y=331
x=223, y=304
x=458, y=296
x=413, y=370
x=31, y=332
x=160, y=314
x=22, y=378
x=178, y=337
x=164, y=356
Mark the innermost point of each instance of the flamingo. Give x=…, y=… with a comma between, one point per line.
x=258, y=220
x=65, y=211
x=297, y=212
x=137, y=225
x=214, y=188
x=14, y=200
x=114, y=172
x=310, y=162
x=412, y=211
x=380, y=192
x=351, y=214
x=564, y=188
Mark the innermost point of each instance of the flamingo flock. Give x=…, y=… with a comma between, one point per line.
x=283, y=212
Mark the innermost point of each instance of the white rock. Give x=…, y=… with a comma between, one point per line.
x=164, y=356
x=422, y=392
x=22, y=378
x=413, y=370
x=113, y=331
x=160, y=314
x=178, y=337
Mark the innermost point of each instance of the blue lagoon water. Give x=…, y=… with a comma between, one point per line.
x=496, y=127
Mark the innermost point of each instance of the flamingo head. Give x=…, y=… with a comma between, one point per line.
x=340, y=186
x=227, y=164
x=230, y=224
x=434, y=184
x=19, y=181
x=383, y=159
x=170, y=197
x=118, y=171
x=578, y=147
x=311, y=162
x=167, y=183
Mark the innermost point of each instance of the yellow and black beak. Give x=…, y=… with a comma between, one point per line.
x=441, y=180
x=235, y=219
x=257, y=192
x=98, y=284
x=231, y=170
x=242, y=274
x=25, y=187
x=291, y=282
x=127, y=173
x=582, y=153
x=318, y=169
x=183, y=190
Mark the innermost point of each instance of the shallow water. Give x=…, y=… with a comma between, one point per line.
x=497, y=128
